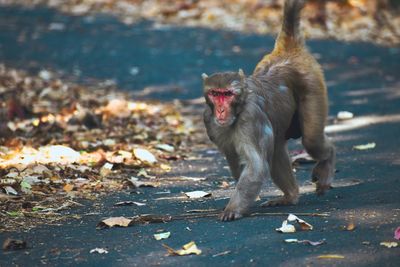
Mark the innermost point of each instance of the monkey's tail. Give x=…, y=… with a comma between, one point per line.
x=290, y=36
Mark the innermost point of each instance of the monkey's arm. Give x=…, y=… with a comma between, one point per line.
x=256, y=169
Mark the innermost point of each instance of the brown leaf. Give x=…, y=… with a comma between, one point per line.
x=303, y=224
x=114, y=221
x=68, y=187
x=351, y=226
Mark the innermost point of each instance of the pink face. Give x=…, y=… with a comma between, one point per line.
x=222, y=99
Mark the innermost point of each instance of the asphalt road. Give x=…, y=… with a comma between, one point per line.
x=362, y=78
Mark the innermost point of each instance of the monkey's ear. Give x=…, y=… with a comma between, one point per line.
x=204, y=76
x=241, y=74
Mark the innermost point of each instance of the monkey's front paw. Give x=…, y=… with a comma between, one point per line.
x=230, y=215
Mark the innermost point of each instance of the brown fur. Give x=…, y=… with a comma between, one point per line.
x=286, y=97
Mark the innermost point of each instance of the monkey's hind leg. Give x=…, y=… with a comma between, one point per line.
x=282, y=176
x=313, y=112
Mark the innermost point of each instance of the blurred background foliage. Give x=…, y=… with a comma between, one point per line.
x=375, y=21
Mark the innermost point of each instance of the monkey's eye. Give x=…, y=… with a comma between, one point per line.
x=214, y=93
x=228, y=93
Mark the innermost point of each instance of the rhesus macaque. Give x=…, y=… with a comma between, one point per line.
x=251, y=118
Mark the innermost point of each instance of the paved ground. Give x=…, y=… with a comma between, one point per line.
x=362, y=78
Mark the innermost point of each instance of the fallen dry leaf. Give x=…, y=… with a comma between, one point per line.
x=68, y=187
x=365, y=147
x=289, y=228
x=224, y=184
x=389, y=244
x=139, y=203
x=303, y=224
x=138, y=183
x=129, y=203
x=166, y=167
x=106, y=169
x=114, y=221
x=197, y=194
x=99, y=250
x=10, y=190
x=161, y=236
x=144, y=155
x=117, y=108
x=143, y=173
x=330, y=256
x=286, y=228
x=165, y=147
x=187, y=249
x=345, y=115
x=291, y=240
x=351, y=226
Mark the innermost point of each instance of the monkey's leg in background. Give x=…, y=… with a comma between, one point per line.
x=282, y=176
x=234, y=163
x=313, y=110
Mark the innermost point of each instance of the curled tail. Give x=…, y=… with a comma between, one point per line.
x=290, y=36
x=289, y=39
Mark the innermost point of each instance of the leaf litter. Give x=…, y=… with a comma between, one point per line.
x=344, y=20
x=60, y=140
